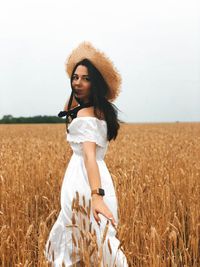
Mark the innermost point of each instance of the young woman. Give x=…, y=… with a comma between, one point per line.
x=93, y=123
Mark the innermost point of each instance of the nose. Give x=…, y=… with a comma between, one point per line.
x=78, y=81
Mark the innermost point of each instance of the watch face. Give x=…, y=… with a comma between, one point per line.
x=101, y=192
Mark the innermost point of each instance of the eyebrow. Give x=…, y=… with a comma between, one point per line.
x=82, y=75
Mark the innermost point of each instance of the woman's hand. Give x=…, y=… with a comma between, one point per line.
x=99, y=206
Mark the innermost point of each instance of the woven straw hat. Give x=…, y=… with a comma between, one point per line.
x=101, y=62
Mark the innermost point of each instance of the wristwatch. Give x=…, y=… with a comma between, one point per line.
x=99, y=191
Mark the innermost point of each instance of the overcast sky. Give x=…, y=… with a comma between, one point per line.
x=154, y=44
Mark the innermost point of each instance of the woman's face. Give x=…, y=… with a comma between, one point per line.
x=81, y=83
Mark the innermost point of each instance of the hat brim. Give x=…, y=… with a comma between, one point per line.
x=101, y=62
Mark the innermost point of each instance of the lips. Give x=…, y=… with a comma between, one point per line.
x=78, y=92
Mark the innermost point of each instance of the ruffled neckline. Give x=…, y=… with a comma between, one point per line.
x=87, y=117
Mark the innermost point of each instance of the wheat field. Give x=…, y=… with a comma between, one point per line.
x=156, y=172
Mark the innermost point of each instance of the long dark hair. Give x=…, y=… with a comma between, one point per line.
x=99, y=90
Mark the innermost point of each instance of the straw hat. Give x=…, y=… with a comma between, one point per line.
x=101, y=62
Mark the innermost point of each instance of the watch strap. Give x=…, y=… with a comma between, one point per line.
x=98, y=191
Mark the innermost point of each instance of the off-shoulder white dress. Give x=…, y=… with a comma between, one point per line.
x=59, y=243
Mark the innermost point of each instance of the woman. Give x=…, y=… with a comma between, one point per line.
x=94, y=81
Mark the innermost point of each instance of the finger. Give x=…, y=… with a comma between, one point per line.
x=109, y=216
x=112, y=220
x=96, y=216
x=107, y=213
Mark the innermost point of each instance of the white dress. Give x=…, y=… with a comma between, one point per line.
x=59, y=243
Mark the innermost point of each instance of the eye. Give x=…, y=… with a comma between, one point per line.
x=74, y=77
x=87, y=79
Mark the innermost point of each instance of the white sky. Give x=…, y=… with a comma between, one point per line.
x=154, y=44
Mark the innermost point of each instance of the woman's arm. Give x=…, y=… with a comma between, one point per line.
x=89, y=155
x=98, y=205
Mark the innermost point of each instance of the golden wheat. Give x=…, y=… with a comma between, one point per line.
x=156, y=172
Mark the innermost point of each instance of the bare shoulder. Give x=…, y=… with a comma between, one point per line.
x=89, y=112
x=86, y=112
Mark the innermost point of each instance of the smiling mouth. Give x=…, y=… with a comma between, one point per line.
x=78, y=92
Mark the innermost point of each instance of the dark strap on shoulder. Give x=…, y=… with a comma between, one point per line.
x=72, y=113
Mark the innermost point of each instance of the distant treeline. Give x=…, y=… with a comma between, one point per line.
x=9, y=119
x=36, y=119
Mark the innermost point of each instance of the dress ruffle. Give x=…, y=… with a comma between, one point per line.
x=88, y=129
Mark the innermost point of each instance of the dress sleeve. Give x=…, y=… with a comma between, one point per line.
x=87, y=129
